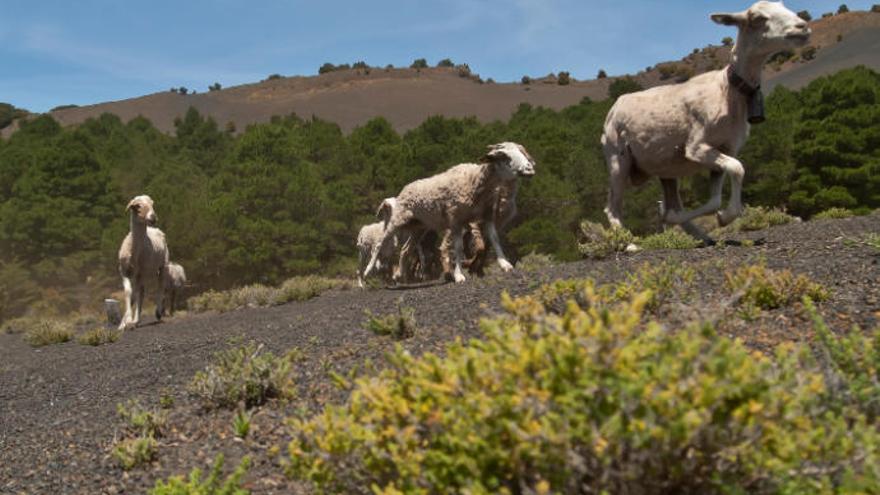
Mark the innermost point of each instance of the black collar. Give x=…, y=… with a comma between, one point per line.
x=741, y=84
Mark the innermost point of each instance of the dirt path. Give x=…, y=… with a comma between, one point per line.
x=58, y=403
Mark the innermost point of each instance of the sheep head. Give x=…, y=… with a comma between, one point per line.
x=512, y=158
x=766, y=28
x=141, y=208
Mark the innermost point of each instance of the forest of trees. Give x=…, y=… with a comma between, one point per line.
x=287, y=197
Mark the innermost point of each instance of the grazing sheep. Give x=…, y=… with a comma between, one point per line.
x=677, y=131
x=143, y=254
x=449, y=201
x=173, y=281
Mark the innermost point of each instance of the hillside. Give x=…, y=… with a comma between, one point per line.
x=58, y=418
x=406, y=97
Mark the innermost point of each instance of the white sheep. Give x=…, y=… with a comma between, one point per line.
x=371, y=235
x=449, y=201
x=173, y=281
x=143, y=255
x=677, y=131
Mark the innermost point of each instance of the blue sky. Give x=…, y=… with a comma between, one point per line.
x=55, y=52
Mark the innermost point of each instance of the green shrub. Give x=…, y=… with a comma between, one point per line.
x=140, y=421
x=563, y=79
x=834, y=213
x=770, y=289
x=241, y=424
x=660, y=282
x=669, y=239
x=43, y=332
x=249, y=375
x=595, y=241
x=134, y=452
x=212, y=485
x=873, y=240
x=757, y=218
x=533, y=262
x=852, y=364
x=622, y=86
x=591, y=401
x=99, y=336
x=400, y=325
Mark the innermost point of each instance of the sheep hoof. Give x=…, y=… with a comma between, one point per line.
x=725, y=218
x=459, y=278
x=505, y=265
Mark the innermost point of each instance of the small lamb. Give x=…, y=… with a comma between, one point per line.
x=173, y=281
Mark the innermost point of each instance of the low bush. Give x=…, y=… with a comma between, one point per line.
x=834, y=213
x=670, y=239
x=757, y=218
x=764, y=288
x=590, y=401
x=140, y=421
x=660, y=282
x=241, y=424
x=533, y=262
x=99, y=336
x=133, y=452
x=212, y=485
x=400, y=325
x=595, y=241
x=257, y=295
x=40, y=332
x=247, y=375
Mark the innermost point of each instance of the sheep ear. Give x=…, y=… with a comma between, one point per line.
x=735, y=19
x=132, y=205
x=496, y=154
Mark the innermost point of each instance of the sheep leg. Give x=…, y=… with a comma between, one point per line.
x=403, y=269
x=126, y=285
x=160, y=296
x=457, y=244
x=719, y=164
x=619, y=164
x=362, y=262
x=172, y=302
x=672, y=203
x=496, y=246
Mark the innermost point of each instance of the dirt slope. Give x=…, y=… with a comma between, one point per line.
x=406, y=97
x=57, y=403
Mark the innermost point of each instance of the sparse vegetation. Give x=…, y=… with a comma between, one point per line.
x=594, y=400
x=727, y=41
x=836, y=213
x=248, y=375
x=41, y=332
x=808, y=53
x=140, y=421
x=756, y=218
x=215, y=87
x=294, y=289
x=99, y=336
x=672, y=238
x=273, y=77
x=534, y=262
x=622, y=86
x=419, y=63
x=602, y=74
x=446, y=63
x=241, y=423
x=595, y=241
x=212, y=485
x=767, y=289
x=526, y=80
x=843, y=9
x=400, y=325
x=133, y=452
x=805, y=15
x=563, y=79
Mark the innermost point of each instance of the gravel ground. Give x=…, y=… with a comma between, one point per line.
x=58, y=416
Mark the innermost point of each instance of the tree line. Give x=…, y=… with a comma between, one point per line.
x=287, y=197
